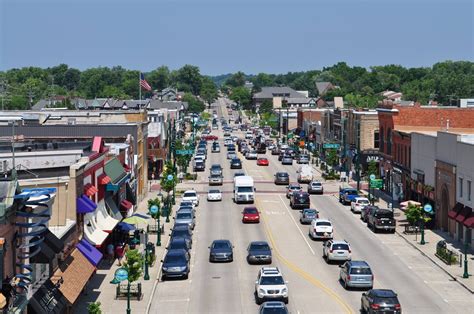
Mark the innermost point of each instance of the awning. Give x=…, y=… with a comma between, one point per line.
x=75, y=273
x=84, y=205
x=103, y=179
x=92, y=232
x=113, y=208
x=53, y=242
x=130, y=194
x=45, y=254
x=456, y=209
x=463, y=214
x=104, y=220
x=469, y=222
x=126, y=205
x=125, y=227
x=92, y=254
x=90, y=189
x=114, y=169
x=127, y=168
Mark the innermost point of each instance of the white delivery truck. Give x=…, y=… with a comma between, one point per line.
x=305, y=174
x=244, y=189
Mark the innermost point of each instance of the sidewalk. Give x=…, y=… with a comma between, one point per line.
x=432, y=237
x=101, y=290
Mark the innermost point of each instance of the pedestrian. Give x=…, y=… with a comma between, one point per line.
x=120, y=252
x=110, y=253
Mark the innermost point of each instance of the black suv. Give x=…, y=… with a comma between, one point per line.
x=380, y=301
x=380, y=219
x=282, y=178
x=235, y=163
x=299, y=200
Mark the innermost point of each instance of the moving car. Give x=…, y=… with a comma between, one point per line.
x=380, y=301
x=216, y=148
x=315, y=187
x=273, y=307
x=381, y=219
x=244, y=189
x=214, y=195
x=191, y=196
x=250, y=214
x=299, y=200
x=303, y=159
x=275, y=151
x=239, y=174
x=216, y=169
x=215, y=179
x=282, y=178
x=307, y=215
x=185, y=217
x=235, y=163
x=175, y=264
x=356, y=274
x=320, y=229
x=231, y=155
x=305, y=174
x=358, y=203
x=294, y=187
x=287, y=160
x=199, y=166
x=270, y=285
x=262, y=162
x=347, y=195
x=259, y=252
x=221, y=251
x=336, y=251
x=251, y=155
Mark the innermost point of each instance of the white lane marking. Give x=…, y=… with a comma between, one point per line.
x=297, y=227
x=269, y=201
x=174, y=300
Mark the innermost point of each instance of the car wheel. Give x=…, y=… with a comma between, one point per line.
x=285, y=300
x=258, y=300
x=186, y=276
x=346, y=286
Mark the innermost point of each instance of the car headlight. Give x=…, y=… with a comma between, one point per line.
x=284, y=290
x=261, y=291
x=165, y=268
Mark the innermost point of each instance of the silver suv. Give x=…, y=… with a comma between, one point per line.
x=356, y=274
x=270, y=285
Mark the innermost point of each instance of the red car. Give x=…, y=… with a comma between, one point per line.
x=250, y=214
x=262, y=162
x=211, y=138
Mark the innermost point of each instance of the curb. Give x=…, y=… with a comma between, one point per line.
x=435, y=262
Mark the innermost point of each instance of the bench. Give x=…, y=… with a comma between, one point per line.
x=135, y=291
x=409, y=229
x=152, y=229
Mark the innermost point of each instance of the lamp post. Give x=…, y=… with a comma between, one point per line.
x=146, y=276
x=155, y=211
x=120, y=275
x=466, y=273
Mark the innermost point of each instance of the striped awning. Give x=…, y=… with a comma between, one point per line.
x=104, y=179
x=90, y=189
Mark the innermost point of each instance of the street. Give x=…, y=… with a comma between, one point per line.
x=313, y=284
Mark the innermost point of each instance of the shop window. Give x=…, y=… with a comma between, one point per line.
x=461, y=181
x=382, y=140
x=376, y=139
x=468, y=190
x=389, y=141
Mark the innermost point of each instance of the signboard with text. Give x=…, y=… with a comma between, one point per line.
x=331, y=145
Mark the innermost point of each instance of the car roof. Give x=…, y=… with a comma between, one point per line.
x=384, y=293
x=190, y=191
x=339, y=242
x=176, y=252
x=178, y=239
x=273, y=304
x=270, y=271
x=310, y=209
x=322, y=220
x=259, y=242
x=358, y=264
x=221, y=241
x=361, y=198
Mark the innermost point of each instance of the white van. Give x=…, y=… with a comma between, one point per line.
x=244, y=190
x=305, y=174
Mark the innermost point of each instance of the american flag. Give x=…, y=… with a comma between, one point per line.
x=144, y=83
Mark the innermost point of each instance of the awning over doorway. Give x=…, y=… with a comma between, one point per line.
x=455, y=211
x=113, y=208
x=104, y=220
x=84, y=205
x=92, y=254
x=469, y=222
x=103, y=179
x=90, y=189
x=463, y=214
x=92, y=232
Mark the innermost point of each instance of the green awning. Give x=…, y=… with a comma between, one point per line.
x=114, y=169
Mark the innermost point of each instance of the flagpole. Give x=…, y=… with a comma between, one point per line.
x=139, y=87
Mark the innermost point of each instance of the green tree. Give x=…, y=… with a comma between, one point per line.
x=372, y=169
x=331, y=157
x=266, y=107
x=94, y=308
x=189, y=77
x=168, y=185
x=134, y=264
x=113, y=92
x=242, y=96
x=236, y=80
x=208, y=90
x=194, y=104
x=159, y=78
x=72, y=78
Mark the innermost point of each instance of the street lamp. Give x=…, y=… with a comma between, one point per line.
x=155, y=211
x=466, y=273
x=146, y=276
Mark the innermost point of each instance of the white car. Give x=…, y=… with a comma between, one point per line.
x=321, y=229
x=251, y=155
x=227, y=141
x=358, y=204
x=283, y=146
x=270, y=285
x=191, y=196
x=214, y=195
x=336, y=251
x=231, y=155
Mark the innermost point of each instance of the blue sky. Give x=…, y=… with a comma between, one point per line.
x=225, y=36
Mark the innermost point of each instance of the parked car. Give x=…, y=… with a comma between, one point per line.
x=250, y=214
x=282, y=178
x=191, y=196
x=221, y=251
x=263, y=162
x=287, y=160
x=294, y=187
x=381, y=219
x=280, y=156
x=182, y=230
x=179, y=243
x=299, y=200
x=307, y=215
x=336, y=251
x=380, y=301
x=273, y=307
x=175, y=264
x=235, y=163
x=214, y=195
x=356, y=274
x=303, y=159
x=187, y=208
x=358, y=203
x=185, y=217
x=270, y=285
x=259, y=252
x=215, y=179
x=320, y=229
x=347, y=195
x=315, y=187
x=364, y=212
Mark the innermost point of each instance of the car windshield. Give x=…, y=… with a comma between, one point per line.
x=250, y=210
x=316, y=184
x=323, y=223
x=340, y=246
x=175, y=259
x=215, y=176
x=386, y=300
x=302, y=198
x=260, y=247
x=180, y=233
x=214, y=191
x=282, y=175
x=363, y=201
x=221, y=245
x=176, y=245
x=274, y=310
x=184, y=216
x=189, y=194
x=272, y=280
x=351, y=192
x=184, y=204
x=310, y=212
x=244, y=189
x=384, y=214
x=295, y=187
x=361, y=271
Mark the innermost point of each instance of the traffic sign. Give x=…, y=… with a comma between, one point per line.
x=428, y=208
x=331, y=145
x=372, y=177
x=184, y=152
x=376, y=184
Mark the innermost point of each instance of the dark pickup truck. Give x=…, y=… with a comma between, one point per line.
x=380, y=219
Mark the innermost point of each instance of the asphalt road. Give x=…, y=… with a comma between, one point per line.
x=313, y=284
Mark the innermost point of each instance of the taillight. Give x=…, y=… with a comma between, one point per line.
x=398, y=307
x=375, y=306
x=348, y=277
x=350, y=251
x=330, y=251
x=373, y=277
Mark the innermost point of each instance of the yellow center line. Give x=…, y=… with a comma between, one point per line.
x=305, y=275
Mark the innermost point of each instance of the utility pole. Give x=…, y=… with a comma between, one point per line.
x=31, y=95
x=3, y=91
x=287, y=116
x=358, y=155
